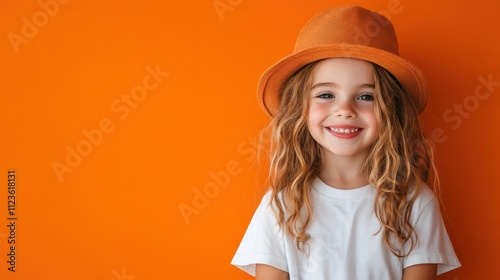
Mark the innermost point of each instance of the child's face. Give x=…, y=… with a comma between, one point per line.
x=341, y=107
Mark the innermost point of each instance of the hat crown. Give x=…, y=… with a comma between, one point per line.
x=349, y=25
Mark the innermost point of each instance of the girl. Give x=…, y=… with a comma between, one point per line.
x=349, y=164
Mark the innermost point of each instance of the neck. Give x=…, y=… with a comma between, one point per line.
x=343, y=172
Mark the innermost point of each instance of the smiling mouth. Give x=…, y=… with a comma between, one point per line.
x=344, y=130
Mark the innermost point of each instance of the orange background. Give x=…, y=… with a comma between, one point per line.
x=116, y=215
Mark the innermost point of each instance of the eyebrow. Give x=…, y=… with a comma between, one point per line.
x=330, y=84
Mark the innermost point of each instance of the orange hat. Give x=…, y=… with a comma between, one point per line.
x=346, y=31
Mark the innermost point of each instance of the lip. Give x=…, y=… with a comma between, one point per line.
x=344, y=135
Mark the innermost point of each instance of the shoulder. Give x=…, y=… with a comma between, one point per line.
x=425, y=203
x=267, y=207
x=433, y=243
x=424, y=196
x=269, y=200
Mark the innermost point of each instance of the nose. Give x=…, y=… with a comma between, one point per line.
x=344, y=109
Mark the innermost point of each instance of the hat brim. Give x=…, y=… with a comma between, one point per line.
x=408, y=75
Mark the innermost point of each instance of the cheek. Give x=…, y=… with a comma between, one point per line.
x=371, y=118
x=316, y=113
x=313, y=119
x=369, y=114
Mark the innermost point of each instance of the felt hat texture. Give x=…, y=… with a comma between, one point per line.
x=347, y=31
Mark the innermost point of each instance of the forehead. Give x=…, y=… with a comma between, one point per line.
x=339, y=70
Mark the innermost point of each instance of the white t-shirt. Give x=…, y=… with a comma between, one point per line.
x=344, y=244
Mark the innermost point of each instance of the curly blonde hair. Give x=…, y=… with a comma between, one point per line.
x=398, y=165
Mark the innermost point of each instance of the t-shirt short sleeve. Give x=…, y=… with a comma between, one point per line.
x=433, y=244
x=263, y=242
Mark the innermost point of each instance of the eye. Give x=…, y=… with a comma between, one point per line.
x=325, y=95
x=366, y=97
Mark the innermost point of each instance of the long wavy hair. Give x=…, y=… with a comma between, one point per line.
x=398, y=165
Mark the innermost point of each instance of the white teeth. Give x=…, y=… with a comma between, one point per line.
x=344, y=130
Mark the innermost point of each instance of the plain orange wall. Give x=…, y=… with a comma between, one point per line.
x=117, y=114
